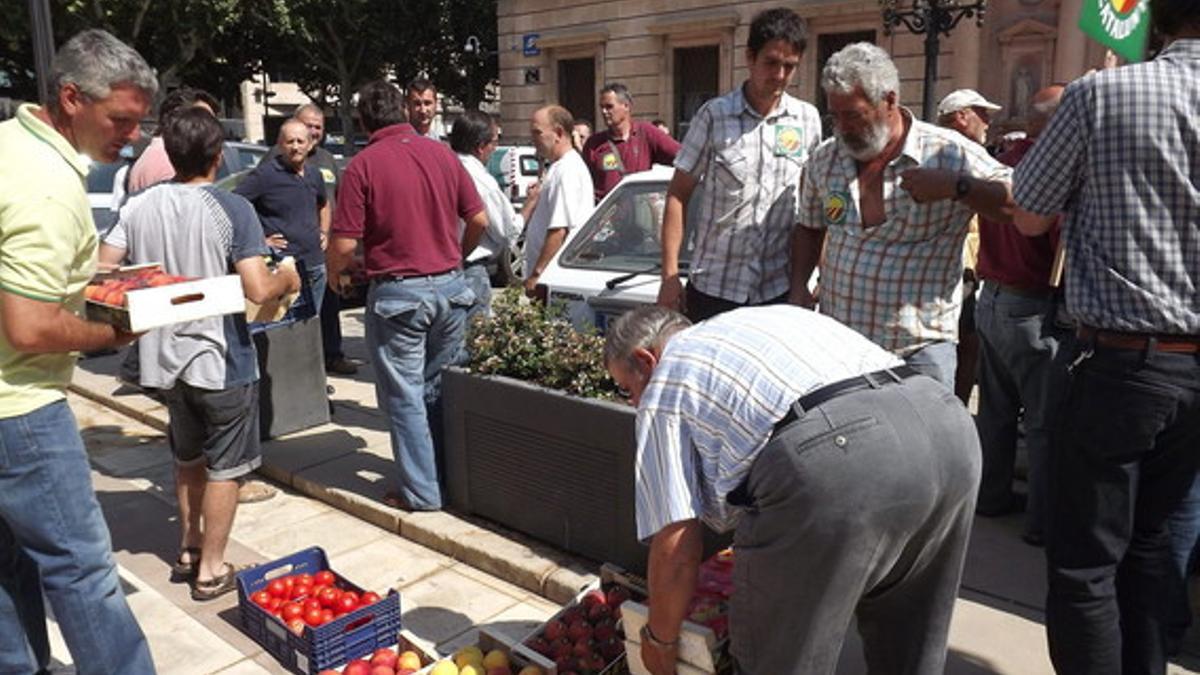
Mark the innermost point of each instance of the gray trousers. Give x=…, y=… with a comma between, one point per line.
x=1021, y=368
x=861, y=507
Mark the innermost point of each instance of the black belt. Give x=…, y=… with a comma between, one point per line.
x=1020, y=291
x=830, y=391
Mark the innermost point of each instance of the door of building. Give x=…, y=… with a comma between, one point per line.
x=829, y=44
x=577, y=87
x=697, y=75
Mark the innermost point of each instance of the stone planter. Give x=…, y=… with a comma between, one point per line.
x=555, y=467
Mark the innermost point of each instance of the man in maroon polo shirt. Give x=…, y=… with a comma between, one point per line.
x=1018, y=348
x=402, y=196
x=627, y=146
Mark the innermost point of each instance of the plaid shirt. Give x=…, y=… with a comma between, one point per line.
x=748, y=167
x=1122, y=158
x=899, y=282
x=713, y=400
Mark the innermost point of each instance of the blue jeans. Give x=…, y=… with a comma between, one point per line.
x=1020, y=368
x=414, y=329
x=477, y=279
x=938, y=360
x=1124, y=459
x=1184, y=525
x=51, y=527
x=317, y=279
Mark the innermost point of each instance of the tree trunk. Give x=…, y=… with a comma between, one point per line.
x=345, y=113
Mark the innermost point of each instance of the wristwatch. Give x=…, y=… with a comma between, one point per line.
x=648, y=636
x=962, y=187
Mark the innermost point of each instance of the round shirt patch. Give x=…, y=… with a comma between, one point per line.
x=789, y=141
x=610, y=162
x=836, y=204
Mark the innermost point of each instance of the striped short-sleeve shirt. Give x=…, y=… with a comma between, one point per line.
x=1122, y=158
x=748, y=167
x=899, y=282
x=715, y=396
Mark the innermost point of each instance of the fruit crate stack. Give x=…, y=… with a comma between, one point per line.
x=704, y=636
x=310, y=618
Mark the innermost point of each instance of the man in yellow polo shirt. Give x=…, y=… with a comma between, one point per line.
x=53, y=538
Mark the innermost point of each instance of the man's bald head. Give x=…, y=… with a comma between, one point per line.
x=1042, y=107
x=294, y=142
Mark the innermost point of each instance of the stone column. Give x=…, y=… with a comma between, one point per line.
x=1070, y=50
x=966, y=42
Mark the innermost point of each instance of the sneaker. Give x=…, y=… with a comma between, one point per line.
x=253, y=491
x=341, y=366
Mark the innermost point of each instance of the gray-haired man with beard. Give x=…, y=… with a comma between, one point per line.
x=890, y=197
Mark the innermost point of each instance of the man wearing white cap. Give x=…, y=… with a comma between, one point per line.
x=967, y=112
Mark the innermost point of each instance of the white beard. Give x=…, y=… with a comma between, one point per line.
x=867, y=146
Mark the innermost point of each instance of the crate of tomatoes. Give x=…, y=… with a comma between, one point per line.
x=309, y=617
x=140, y=297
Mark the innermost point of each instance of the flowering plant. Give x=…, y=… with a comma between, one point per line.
x=536, y=342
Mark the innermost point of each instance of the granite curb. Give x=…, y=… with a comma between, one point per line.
x=533, y=566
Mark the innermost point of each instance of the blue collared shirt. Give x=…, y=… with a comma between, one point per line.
x=715, y=396
x=1122, y=158
x=288, y=203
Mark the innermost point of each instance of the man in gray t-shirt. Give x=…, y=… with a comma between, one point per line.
x=206, y=369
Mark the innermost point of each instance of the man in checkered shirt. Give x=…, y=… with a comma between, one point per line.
x=745, y=151
x=1122, y=158
x=891, y=198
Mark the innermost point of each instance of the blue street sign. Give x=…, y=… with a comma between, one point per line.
x=529, y=44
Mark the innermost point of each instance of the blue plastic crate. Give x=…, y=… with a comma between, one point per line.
x=352, y=636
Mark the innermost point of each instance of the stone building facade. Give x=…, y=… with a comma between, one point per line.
x=675, y=55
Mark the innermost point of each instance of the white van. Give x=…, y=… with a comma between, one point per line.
x=515, y=168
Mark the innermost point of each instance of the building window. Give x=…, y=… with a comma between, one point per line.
x=697, y=79
x=577, y=87
x=829, y=44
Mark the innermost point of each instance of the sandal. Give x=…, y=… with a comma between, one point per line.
x=186, y=571
x=203, y=591
x=396, y=500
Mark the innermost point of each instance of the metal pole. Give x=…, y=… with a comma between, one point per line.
x=43, y=45
x=932, y=47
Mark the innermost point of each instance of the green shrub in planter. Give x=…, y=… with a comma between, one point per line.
x=536, y=342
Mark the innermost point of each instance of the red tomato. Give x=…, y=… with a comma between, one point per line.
x=312, y=603
x=329, y=597
x=324, y=577
x=348, y=602
x=278, y=589
x=292, y=610
x=306, y=579
x=296, y=626
x=300, y=590
x=368, y=598
x=327, y=616
x=289, y=582
x=262, y=599
x=276, y=604
x=313, y=617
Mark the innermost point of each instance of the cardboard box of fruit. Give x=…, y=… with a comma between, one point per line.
x=585, y=637
x=704, y=636
x=492, y=654
x=140, y=297
x=406, y=659
x=309, y=617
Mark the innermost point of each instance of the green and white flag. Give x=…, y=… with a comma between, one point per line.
x=1120, y=25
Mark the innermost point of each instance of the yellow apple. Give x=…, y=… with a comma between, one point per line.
x=531, y=670
x=469, y=656
x=495, y=659
x=444, y=667
x=409, y=661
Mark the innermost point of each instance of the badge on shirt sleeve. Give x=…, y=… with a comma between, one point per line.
x=836, y=204
x=327, y=174
x=610, y=161
x=789, y=141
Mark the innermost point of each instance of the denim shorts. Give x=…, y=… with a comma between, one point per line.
x=218, y=427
